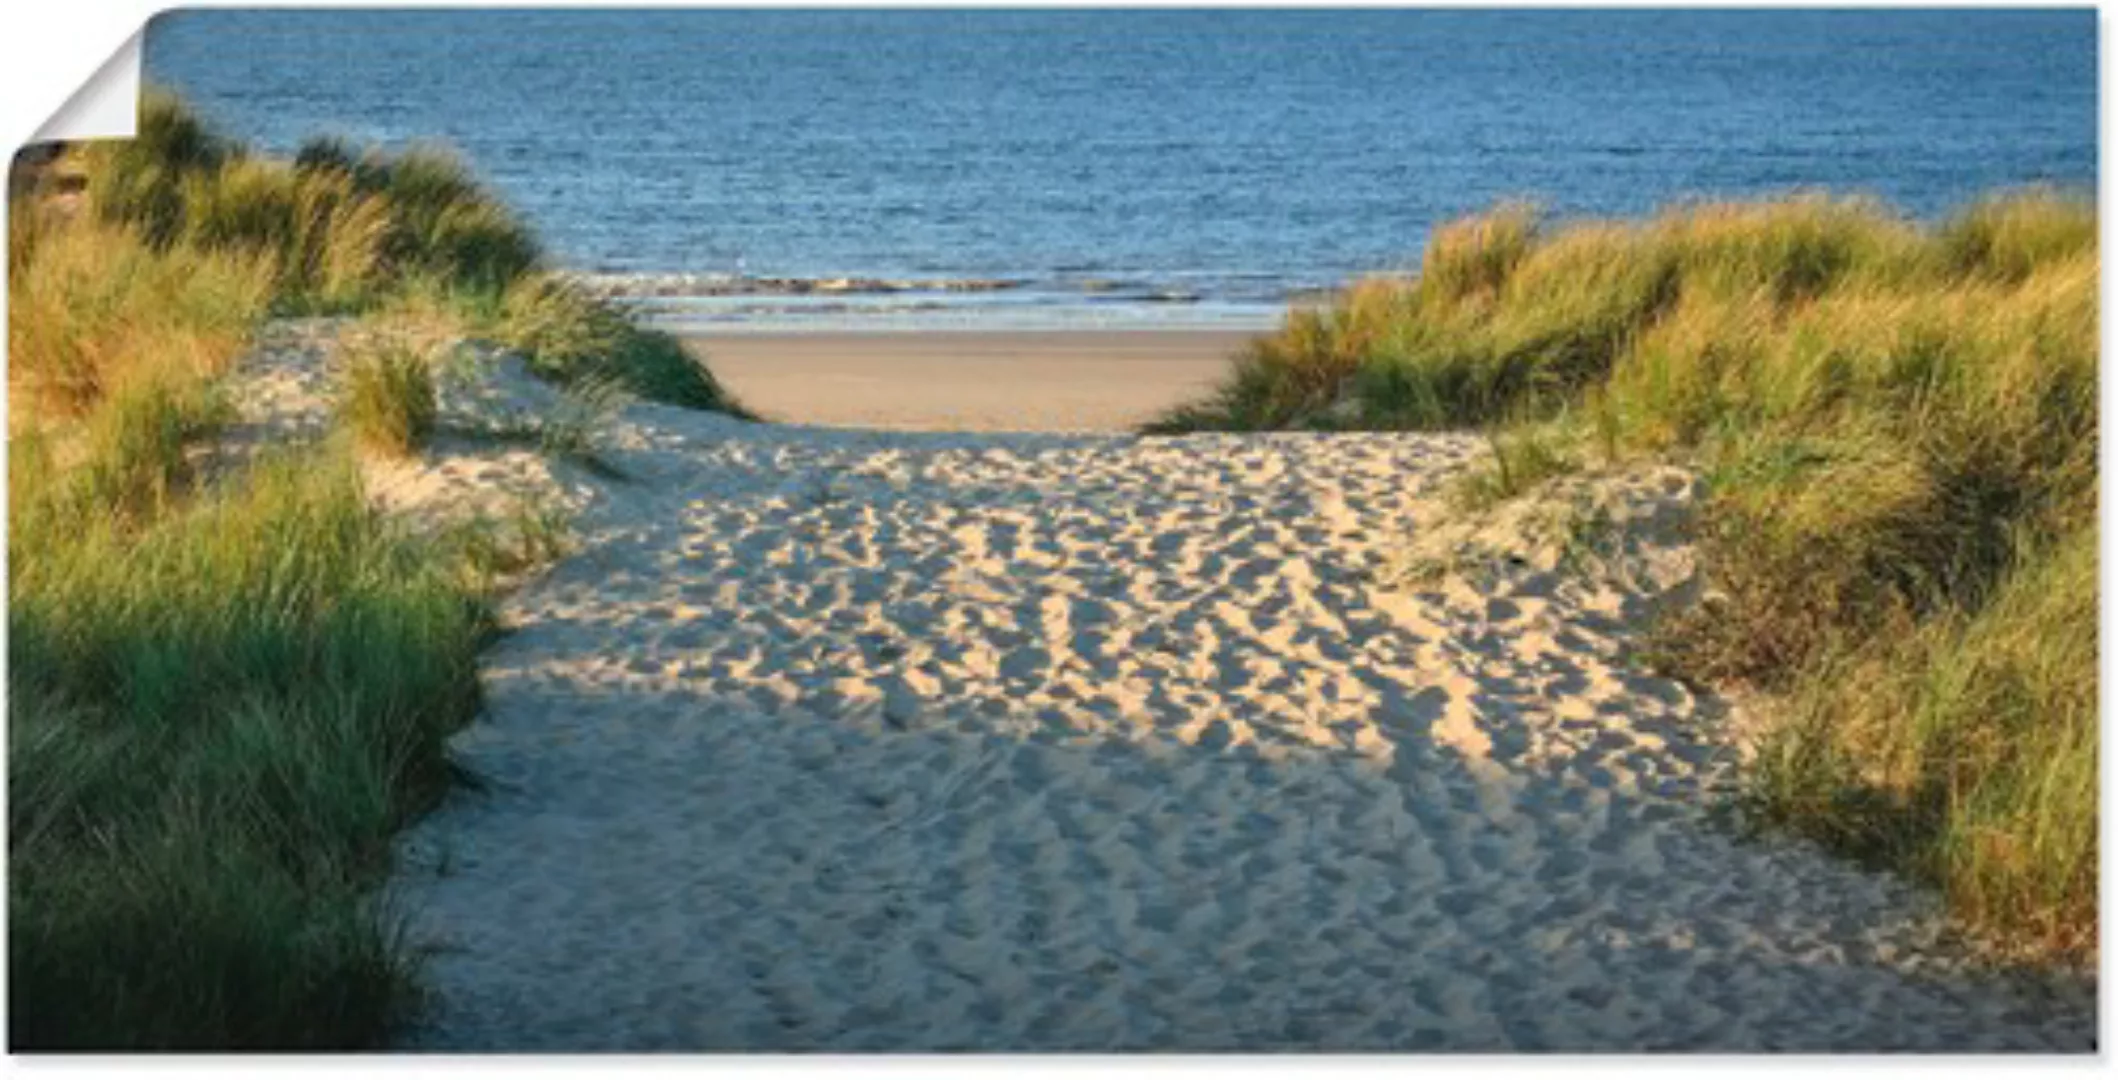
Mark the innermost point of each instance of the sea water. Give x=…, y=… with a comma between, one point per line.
x=776, y=169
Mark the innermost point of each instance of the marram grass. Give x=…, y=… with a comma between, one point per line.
x=387, y=399
x=338, y=229
x=216, y=721
x=569, y=338
x=96, y=308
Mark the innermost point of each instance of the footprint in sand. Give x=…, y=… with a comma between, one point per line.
x=1090, y=743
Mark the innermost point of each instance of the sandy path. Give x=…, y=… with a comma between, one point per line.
x=838, y=740
x=963, y=380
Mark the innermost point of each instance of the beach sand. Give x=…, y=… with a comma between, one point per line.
x=858, y=740
x=965, y=380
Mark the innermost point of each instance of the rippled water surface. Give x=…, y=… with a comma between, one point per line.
x=1175, y=167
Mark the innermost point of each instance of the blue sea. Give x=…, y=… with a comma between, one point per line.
x=779, y=169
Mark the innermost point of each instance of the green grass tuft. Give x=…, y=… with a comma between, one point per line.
x=341, y=226
x=388, y=398
x=1521, y=460
x=96, y=309
x=1968, y=754
x=567, y=336
x=216, y=722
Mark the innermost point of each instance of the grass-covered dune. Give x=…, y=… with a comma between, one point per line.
x=343, y=231
x=1897, y=424
x=227, y=689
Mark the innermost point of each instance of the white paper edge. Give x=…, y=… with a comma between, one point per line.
x=106, y=106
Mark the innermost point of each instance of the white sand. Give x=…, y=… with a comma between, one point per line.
x=861, y=741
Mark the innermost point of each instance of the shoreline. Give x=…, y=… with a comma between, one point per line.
x=1029, y=380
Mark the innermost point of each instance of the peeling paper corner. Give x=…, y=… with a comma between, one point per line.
x=107, y=106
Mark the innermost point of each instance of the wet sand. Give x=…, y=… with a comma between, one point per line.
x=971, y=380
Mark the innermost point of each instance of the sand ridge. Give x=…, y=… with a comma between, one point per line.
x=856, y=740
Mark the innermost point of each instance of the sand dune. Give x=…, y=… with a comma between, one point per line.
x=861, y=740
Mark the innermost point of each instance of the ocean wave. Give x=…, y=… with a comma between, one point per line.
x=635, y=286
x=691, y=296
x=767, y=310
